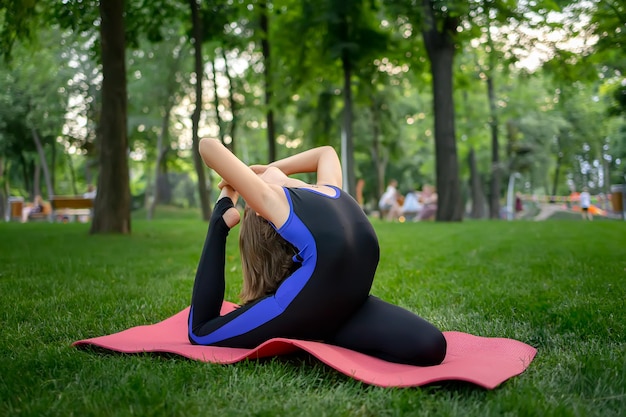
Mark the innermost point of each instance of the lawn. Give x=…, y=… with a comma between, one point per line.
x=557, y=285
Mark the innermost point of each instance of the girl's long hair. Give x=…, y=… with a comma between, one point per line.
x=266, y=258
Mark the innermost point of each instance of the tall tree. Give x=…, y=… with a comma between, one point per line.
x=496, y=169
x=34, y=104
x=112, y=203
x=223, y=46
x=438, y=22
x=151, y=109
x=232, y=103
x=195, y=118
x=339, y=34
x=117, y=19
x=478, y=200
x=264, y=27
x=439, y=30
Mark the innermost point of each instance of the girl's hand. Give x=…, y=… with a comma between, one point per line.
x=228, y=191
x=223, y=184
x=258, y=169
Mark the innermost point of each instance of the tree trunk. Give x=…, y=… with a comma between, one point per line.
x=267, y=75
x=161, y=151
x=380, y=166
x=25, y=173
x=347, y=146
x=231, y=100
x=216, y=104
x=43, y=164
x=476, y=188
x=557, y=170
x=36, y=180
x=440, y=47
x=4, y=195
x=496, y=169
x=53, y=163
x=112, y=203
x=606, y=175
x=70, y=166
x=161, y=190
x=379, y=154
x=195, y=118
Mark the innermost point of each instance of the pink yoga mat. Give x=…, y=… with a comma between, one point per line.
x=483, y=361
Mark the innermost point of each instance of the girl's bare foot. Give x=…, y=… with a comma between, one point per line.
x=231, y=217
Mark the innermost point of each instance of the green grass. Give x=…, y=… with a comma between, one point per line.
x=557, y=285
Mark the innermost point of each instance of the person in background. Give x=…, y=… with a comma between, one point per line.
x=388, y=204
x=585, y=204
x=34, y=211
x=412, y=205
x=91, y=192
x=360, y=184
x=519, y=205
x=429, y=201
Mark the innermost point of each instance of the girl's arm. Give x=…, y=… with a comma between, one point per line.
x=323, y=161
x=267, y=200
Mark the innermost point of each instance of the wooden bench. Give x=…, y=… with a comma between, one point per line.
x=18, y=209
x=15, y=206
x=66, y=208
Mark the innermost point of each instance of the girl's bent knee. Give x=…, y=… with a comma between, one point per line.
x=427, y=350
x=433, y=350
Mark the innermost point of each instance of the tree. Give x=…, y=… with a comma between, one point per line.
x=356, y=69
x=33, y=107
x=439, y=30
x=195, y=118
x=112, y=203
x=339, y=35
x=150, y=111
x=496, y=169
x=264, y=30
x=117, y=19
x=438, y=23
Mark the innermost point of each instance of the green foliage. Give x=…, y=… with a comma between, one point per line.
x=556, y=285
x=54, y=83
x=18, y=20
x=608, y=21
x=618, y=106
x=143, y=19
x=34, y=101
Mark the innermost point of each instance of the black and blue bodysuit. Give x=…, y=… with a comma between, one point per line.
x=327, y=298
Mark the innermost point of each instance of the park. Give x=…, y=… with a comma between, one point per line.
x=506, y=120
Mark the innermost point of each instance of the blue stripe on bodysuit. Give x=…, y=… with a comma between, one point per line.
x=295, y=232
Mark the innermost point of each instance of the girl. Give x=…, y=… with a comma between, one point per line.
x=309, y=256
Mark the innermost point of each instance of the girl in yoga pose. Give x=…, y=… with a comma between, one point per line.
x=309, y=255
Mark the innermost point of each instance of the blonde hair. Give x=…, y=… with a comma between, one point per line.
x=266, y=258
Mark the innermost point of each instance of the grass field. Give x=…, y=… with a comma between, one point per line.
x=557, y=285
